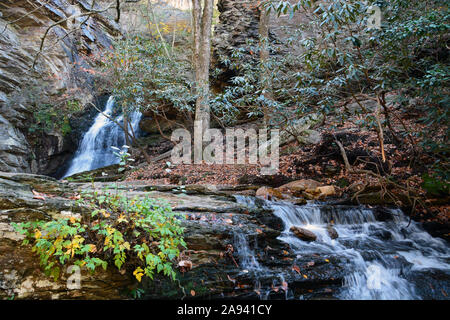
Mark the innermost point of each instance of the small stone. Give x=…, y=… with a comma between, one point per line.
x=332, y=232
x=326, y=191
x=268, y=193
x=299, y=201
x=303, y=234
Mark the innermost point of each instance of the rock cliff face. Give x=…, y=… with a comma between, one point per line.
x=238, y=23
x=30, y=77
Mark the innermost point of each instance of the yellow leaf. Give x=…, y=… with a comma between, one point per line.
x=127, y=245
x=37, y=234
x=121, y=219
x=138, y=273
x=51, y=251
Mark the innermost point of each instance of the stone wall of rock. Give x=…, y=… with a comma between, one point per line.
x=238, y=23
x=58, y=70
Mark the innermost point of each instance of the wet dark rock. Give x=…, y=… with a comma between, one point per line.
x=273, y=181
x=431, y=284
x=332, y=232
x=382, y=214
x=303, y=234
x=437, y=229
x=383, y=234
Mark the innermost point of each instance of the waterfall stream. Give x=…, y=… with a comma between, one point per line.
x=390, y=259
x=95, y=149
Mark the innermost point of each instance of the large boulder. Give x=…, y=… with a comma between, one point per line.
x=299, y=186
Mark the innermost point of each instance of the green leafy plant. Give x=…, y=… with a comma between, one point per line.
x=124, y=157
x=52, y=116
x=141, y=236
x=251, y=91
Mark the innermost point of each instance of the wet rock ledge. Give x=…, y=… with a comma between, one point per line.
x=218, y=231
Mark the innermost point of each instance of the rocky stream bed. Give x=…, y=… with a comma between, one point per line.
x=239, y=246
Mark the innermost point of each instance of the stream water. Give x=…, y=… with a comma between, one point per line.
x=95, y=149
x=391, y=259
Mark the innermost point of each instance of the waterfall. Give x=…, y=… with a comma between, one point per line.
x=394, y=259
x=249, y=264
x=95, y=149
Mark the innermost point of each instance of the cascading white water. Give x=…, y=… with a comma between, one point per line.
x=382, y=259
x=95, y=149
x=249, y=264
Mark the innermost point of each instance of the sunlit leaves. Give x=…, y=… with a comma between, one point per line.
x=142, y=232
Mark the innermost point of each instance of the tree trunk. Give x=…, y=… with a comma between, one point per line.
x=126, y=130
x=202, y=21
x=118, y=11
x=264, y=56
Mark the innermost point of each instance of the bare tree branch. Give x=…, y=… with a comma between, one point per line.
x=24, y=16
x=90, y=12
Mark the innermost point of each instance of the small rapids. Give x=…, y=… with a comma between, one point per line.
x=381, y=258
x=95, y=149
x=263, y=278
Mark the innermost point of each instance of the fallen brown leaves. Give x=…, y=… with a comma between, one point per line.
x=304, y=162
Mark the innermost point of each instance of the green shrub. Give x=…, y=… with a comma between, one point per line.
x=53, y=117
x=142, y=77
x=142, y=236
